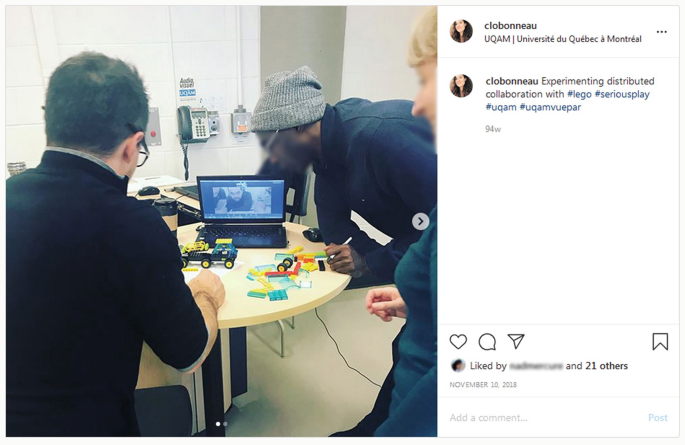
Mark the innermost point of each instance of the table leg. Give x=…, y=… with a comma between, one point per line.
x=238, y=342
x=213, y=390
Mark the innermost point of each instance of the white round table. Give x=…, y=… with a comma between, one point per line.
x=239, y=310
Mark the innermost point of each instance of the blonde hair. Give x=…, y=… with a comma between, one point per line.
x=423, y=43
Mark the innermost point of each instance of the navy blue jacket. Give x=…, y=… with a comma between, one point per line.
x=380, y=162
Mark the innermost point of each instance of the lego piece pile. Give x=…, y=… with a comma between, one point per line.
x=269, y=275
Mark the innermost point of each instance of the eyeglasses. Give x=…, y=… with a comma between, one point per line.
x=145, y=151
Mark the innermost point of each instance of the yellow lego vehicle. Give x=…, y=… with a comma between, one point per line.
x=226, y=253
x=195, y=247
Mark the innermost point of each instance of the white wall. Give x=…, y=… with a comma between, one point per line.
x=164, y=43
x=375, y=62
x=375, y=57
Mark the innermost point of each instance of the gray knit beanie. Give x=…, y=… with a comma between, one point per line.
x=289, y=99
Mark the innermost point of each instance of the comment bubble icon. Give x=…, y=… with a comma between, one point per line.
x=487, y=342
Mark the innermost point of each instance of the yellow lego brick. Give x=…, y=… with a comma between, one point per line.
x=295, y=250
x=265, y=283
x=310, y=267
x=190, y=269
x=224, y=240
x=260, y=291
x=195, y=247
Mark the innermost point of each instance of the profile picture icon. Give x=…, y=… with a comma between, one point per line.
x=458, y=365
x=461, y=31
x=461, y=85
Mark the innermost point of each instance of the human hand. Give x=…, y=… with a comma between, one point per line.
x=386, y=303
x=209, y=284
x=347, y=260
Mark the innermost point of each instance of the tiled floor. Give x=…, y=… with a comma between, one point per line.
x=311, y=392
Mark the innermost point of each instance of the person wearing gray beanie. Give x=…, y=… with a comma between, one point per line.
x=289, y=99
x=373, y=158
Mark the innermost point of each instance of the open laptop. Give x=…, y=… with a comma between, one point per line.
x=248, y=209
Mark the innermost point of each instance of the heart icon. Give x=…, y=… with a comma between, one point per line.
x=458, y=340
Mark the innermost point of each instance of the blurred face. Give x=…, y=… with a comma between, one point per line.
x=235, y=193
x=460, y=26
x=460, y=80
x=426, y=101
x=460, y=366
x=292, y=150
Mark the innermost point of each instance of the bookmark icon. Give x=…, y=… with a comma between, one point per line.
x=660, y=339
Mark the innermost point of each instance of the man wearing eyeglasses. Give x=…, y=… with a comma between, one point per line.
x=92, y=273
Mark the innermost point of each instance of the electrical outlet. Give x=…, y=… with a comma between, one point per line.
x=241, y=121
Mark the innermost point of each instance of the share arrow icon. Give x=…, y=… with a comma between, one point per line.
x=516, y=338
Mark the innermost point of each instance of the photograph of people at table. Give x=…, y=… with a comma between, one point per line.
x=221, y=221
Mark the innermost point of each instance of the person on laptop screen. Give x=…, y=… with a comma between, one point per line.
x=239, y=199
x=249, y=199
x=372, y=158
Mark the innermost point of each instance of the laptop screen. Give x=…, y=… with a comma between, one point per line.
x=243, y=199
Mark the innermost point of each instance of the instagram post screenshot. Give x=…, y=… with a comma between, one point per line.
x=221, y=221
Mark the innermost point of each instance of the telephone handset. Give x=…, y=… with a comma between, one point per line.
x=193, y=124
x=193, y=127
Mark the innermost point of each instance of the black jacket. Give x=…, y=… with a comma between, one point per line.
x=380, y=162
x=91, y=274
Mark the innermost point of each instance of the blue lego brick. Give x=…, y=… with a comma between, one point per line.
x=281, y=256
x=278, y=294
x=278, y=278
x=289, y=284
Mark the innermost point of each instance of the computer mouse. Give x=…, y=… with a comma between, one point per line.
x=148, y=191
x=313, y=234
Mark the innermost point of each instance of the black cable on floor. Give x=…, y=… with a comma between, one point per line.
x=316, y=311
